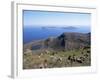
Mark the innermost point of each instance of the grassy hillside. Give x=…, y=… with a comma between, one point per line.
x=66, y=50
x=51, y=59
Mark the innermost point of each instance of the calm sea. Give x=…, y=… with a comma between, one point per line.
x=37, y=33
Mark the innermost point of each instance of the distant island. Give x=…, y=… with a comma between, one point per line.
x=69, y=27
x=66, y=27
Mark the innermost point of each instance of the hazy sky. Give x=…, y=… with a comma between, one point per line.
x=44, y=18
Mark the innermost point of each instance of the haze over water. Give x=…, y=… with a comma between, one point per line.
x=37, y=33
x=43, y=24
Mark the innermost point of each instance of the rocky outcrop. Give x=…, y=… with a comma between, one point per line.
x=66, y=41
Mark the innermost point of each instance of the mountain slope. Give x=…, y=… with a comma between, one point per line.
x=66, y=41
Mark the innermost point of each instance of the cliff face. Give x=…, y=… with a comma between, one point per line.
x=66, y=41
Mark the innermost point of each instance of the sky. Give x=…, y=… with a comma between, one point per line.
x=46, y=18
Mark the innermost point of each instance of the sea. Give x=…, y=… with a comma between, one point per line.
x=37, y=33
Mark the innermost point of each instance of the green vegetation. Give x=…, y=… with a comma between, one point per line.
x=53, y=59
x=66, y=50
